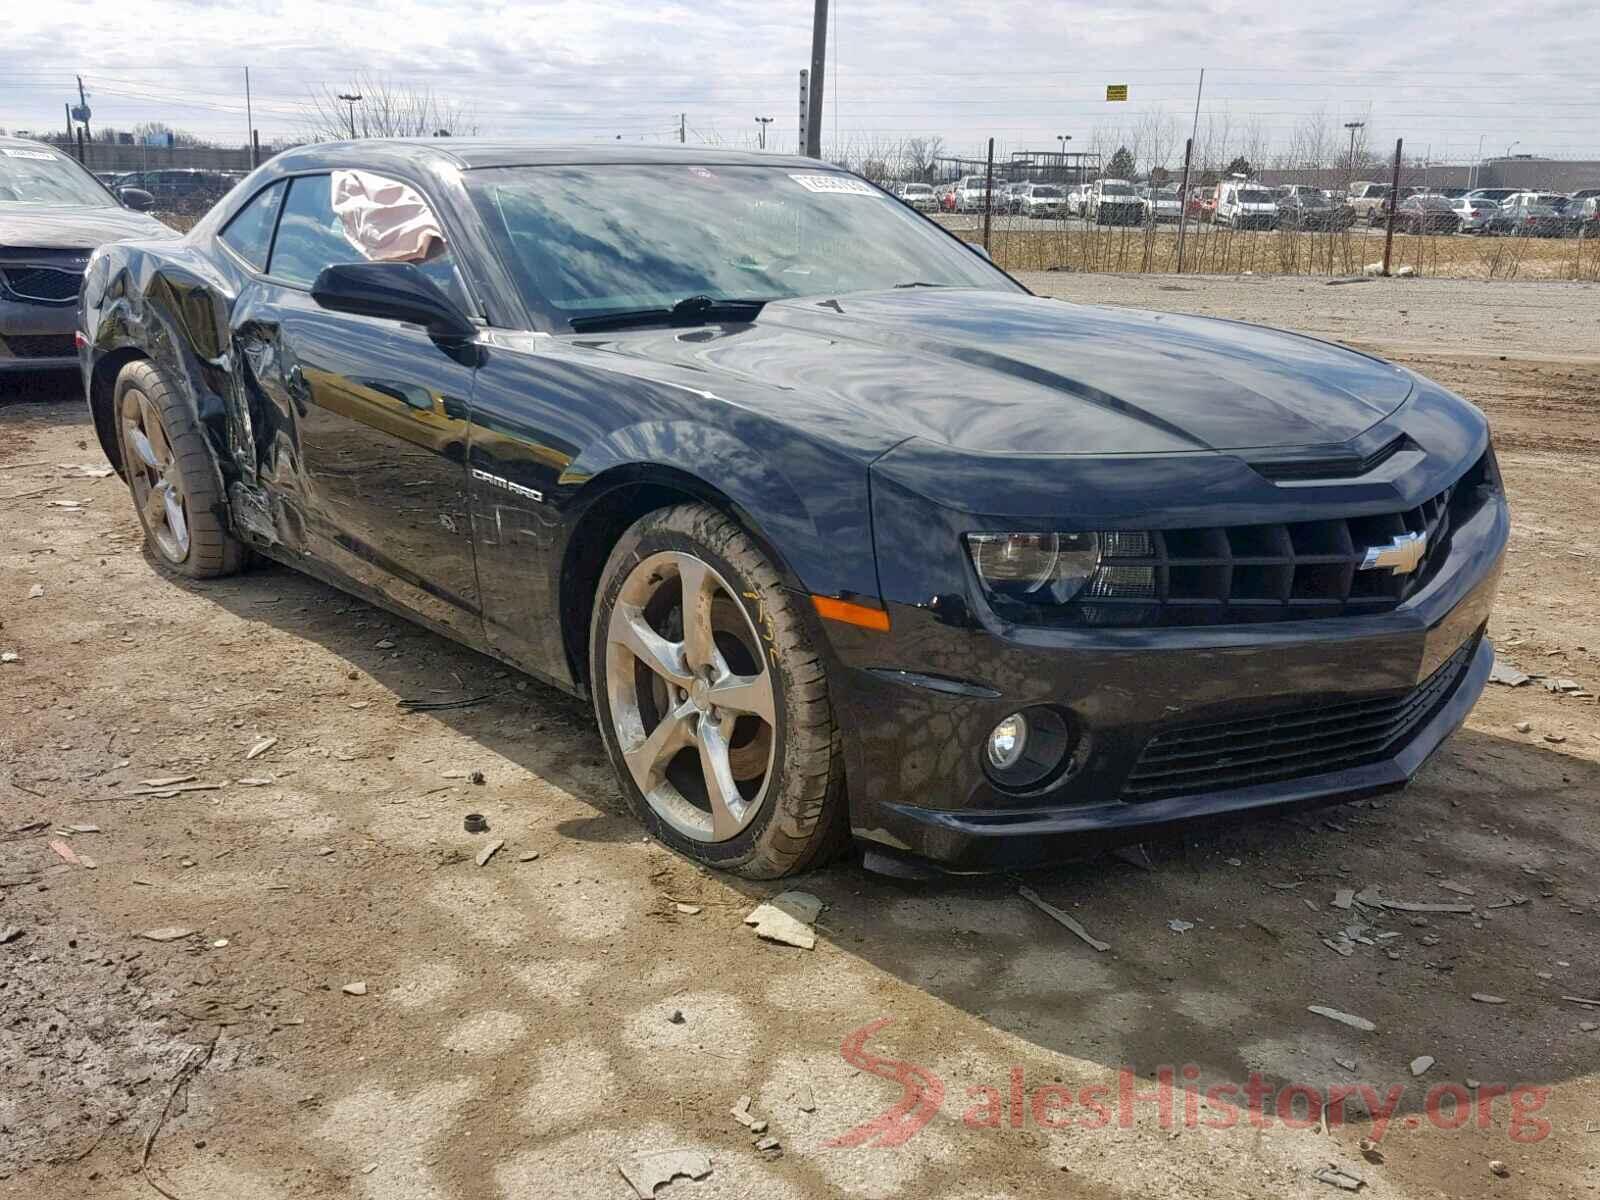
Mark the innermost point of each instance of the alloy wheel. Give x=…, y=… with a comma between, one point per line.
x=691, y=696
x=154, y=476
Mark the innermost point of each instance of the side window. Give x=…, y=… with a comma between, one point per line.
x=309, y=237
x=249, y=234
x=371, y=218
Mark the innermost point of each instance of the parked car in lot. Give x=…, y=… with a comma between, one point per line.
x=1583, y=215
x=919, y=196
x=1476, y=216
x=1553, y=200
x=1043, y=200
x=1378, y=214
x=972, y=193
x=1367, y=198
x=1203, y=203
x=182, y=189
x=53, y=214
x=1522, y=216
x=1078, y=199
x=947, y=198
x=1245, y=206
x=837, y=576
x=1162, y=204
x=1426, y=214
x=1114, y=202
x=1498, y=195
x=1311, y=208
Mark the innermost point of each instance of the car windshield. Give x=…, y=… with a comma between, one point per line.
x=1254, y=196
x=665, y=234
x=1046, y=191
x=918, y=189
x=1115, y=189
x=30, y=176
x=1166, y=194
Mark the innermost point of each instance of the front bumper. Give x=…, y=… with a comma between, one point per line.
x=37, y=337
x=916, y=720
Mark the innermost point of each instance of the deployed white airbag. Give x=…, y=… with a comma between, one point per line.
x=385, y=219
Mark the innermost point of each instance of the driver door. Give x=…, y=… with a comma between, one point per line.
x=367, y=458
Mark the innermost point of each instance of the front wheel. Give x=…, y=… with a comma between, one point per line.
x=168, y=467
x=712, y=699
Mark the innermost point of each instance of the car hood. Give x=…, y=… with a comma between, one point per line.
x=74, y=228
x=999, y=372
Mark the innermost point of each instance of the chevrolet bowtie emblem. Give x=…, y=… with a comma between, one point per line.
x=1401, y=556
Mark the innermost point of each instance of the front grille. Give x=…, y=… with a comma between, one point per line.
x=40, y=345
x=42, y=285
x=1239, y=574
x=1314, y=739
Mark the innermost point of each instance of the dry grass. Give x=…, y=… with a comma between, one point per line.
x=1212, y=250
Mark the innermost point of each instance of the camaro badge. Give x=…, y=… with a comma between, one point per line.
x=1402, y=555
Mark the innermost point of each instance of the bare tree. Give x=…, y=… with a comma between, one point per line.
x=919, y=155
x=1256, y=141
x=385, y=109
x=1155, y=137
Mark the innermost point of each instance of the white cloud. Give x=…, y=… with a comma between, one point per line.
x=1441, y=75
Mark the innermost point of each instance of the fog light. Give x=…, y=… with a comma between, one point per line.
x=1030, y=749
x=1008, y=741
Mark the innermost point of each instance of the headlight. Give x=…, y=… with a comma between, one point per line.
x=1038, y=566
x=1074, y=575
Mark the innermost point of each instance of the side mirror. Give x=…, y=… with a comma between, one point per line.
x=980, y=249
x=396, y=291
x=136, y=198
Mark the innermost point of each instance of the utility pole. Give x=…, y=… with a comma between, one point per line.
x=988, y=196
x=352, y=99
x=683, y=128
x=1183, y=200
x=250, y=120
x=1350, y=163
x=805, y=115
x=83, y=102
x=1394, y=204
x=763, y=122
x=819, y=54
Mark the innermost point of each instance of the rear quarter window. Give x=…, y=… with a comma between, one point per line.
x=249, y=234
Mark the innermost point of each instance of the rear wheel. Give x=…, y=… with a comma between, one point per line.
x=712, y=700
x=176, y=492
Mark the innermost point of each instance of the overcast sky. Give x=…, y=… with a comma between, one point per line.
x=1444, y=76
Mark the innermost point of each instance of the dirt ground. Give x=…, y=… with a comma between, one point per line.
x=527, y=1025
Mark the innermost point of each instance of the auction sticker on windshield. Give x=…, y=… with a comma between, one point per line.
x=835, y=183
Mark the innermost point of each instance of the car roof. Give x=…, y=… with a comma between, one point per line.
x=477, y=153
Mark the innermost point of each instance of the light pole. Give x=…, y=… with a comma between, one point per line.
x=762, y=123
x=1477, y=165
x=352, y=99
x=1350, y=163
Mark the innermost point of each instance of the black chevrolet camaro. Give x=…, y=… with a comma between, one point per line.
x=844, y=532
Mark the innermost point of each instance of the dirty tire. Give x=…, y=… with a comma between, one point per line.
x=801, y=820
x=210, y=550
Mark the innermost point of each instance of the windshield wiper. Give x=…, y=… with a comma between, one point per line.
x=692, y=310
x=920, y=283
